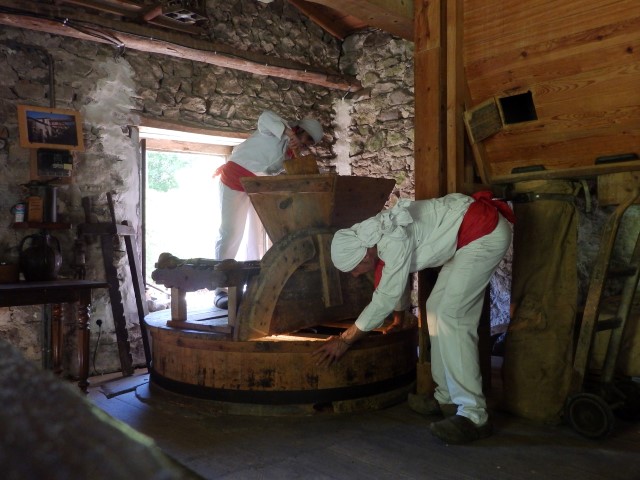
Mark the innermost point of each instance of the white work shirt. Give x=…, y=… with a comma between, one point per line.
x=264, y=151
x=431, y=241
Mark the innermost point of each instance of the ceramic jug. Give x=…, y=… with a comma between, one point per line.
x=40, y=257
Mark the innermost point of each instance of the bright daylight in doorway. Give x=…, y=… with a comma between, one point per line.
x=182, y=211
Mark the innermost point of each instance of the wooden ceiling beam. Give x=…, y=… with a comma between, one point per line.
x=120, y=7
x=26, y=14
x=154, y=123
x=338, y=24
x=393, y=16
x=135, y=13
x=186, y=147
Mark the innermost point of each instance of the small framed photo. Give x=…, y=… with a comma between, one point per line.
x=48, y=164
x=42, y=127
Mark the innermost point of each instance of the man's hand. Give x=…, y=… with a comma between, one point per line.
x=294, y=141
x=396, y=324
x=333, y=348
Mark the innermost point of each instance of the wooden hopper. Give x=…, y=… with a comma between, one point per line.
x=300, y=213
x=291, y=203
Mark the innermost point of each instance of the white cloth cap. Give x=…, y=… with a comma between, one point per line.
x=347, y=251
x=349, y=245
x=312, y=127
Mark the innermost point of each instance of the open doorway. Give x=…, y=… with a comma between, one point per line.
x=182, y=211
x=180, y=204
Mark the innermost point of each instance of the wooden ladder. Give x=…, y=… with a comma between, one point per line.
x=106, y=232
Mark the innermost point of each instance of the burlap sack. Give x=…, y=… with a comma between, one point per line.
x=539, y=342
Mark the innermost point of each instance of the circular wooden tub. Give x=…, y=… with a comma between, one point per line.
x=278, y=374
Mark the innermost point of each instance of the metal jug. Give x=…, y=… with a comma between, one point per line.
x=41, y=259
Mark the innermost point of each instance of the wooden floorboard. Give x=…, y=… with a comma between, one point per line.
x=393, y=443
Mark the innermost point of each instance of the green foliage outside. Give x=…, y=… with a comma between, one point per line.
x=161, y=169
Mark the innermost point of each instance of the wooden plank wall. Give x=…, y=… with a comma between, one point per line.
x=580, y=59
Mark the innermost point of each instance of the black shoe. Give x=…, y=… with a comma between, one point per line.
x=221, y=300
x=458, y=429
x=430, y=406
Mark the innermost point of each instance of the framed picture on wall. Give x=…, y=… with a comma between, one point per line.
x=48, y=164
x=42, y=127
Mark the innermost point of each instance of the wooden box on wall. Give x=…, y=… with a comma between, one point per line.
x=562, y=80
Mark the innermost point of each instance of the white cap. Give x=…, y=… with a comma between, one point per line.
x=312, y=127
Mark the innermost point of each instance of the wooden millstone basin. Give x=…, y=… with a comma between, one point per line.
x=261, y=361
x=278, y=374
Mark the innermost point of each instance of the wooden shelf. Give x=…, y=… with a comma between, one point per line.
x=105, y=229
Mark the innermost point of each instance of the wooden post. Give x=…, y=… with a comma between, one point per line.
x=439, y=97
x=429, y=144
x=455, y=94
x=429, y=98
x=178, y=305
x=439, y=123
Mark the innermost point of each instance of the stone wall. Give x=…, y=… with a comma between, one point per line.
x=276, y=29
x=112, y=92
x=381, y=130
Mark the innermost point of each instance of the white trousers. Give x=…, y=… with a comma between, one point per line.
x=453, y=313
x=236, y=213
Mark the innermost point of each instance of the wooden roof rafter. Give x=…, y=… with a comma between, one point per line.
x=136, y=13
x=393, y=16
x=60, y=20
x=336, y=23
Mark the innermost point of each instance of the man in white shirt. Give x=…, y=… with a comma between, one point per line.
x=467, y=237
x=263, y=153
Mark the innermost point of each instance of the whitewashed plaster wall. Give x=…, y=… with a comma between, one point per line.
x=88, y=79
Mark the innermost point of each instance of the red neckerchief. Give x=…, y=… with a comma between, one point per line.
x=231, y=173
x=481, y=217
x=377, y=275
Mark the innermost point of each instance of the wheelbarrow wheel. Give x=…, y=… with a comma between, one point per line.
x=589, y=415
